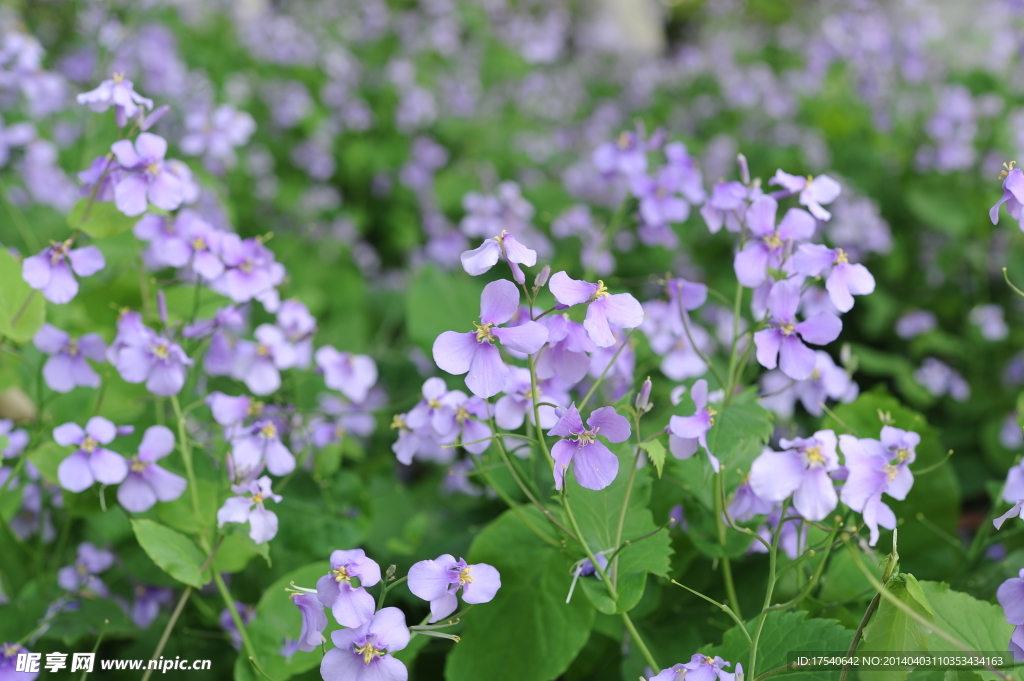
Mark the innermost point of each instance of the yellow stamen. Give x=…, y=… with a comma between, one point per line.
x=787, y=329
x=841, y=256
x=711, y=411
x=246, y=266
x=398, y=422
x=199, y=244
x=257, y=498
x=255, y=408
x=891, y=471
x=902, y=454
x=434, y=403
x=461, y=415
x=773, y=242
x=369, y=651
x=501, y=237
x=138, y=466
x=73, y=347
x=623, y=142
x=117, y=76
x=814, y=455
x=153, y=168
x=269, y=431
x=262, y=350
x=1007, y=167
x=483, y=332
x=464, y=577
x=89, y=445
x=341, y=574
x=601, y=292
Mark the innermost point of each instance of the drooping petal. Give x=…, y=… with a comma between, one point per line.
x=262, y=524
x=389, y=627
x=813, y=259
x=35, y=270
x=86, y=261
x=751, y=264
x=562, y=452
x=481, y=259
x=623, y=310
x=234, y=510
x=682, y=447
x=167, y=486
x=130, y=195
x=487, y=372
x=499, y=302
x=816, y=497
x=57, y=373
x=429, y=579
x=442, y=606
x=595, y=466
x=135, y=495
x=518, y=253
x=768, y=342
x=353, y=607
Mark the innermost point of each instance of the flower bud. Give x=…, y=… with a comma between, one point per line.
x=390, y=573
x=642, y=403
x=744, y=168
x=517, y=273
x=542, y=277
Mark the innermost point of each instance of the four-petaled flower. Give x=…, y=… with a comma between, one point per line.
x=147, y=180
x=438, y=581
x=595, y=465
x=873, y=469
x=782, y=344
x=363, y=653
x=485, y=256
x=148, y=482
x=351, y=605
x=687, y=432
x=619, y=309
x=248, y=507
x=53, y=270
x=801, y=470
x=814, y=191
x=119, y=93
x=845, y=279
x=91, y=462
x=67, y=367
x=767, y=246
x=475, y=352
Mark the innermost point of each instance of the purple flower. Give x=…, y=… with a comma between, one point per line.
x=91, y=462
x=683, y=174
x=1013, y=492
x=621, y=309
x=484, y=257
x=9, y=663
x=990, y=322
x=726, y=206
x=352, y=606
x=314, y=621
x=364, y=652
x=626, y=156
x=351, y=375
x=687, y=432
x=298, y=325
x=438, y=581
x=1011, y=598
x=767, y=246
x=81, y=577
x=17, y=440
x=434, y=412
x=813, y=191
x=1013, y=193
x=246, y=612
x=140, y=355
x=914, y=323
x=746, y=504
x=475, y=353
x=258, y=364
x=250, y=271
x=659, y=204
x=801, y=470
x=146, y=604
x=845, y=279
x=565, y=354
x=226, y=324
x=516, y=404
x=782, y=344
x=147, y=180
x=119, y=93
x=53, y=270
x=700, y=668
x=67, y=366
x=939, y=379
x=871, y=472
x=147, y=482
x=261, y=443
x=248, y=507
x=596, y=465
x=216, y=134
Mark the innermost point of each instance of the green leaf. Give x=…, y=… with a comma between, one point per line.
x=176, y=554
x=180, y=515
x=47, y=458
x=235, y=551
x=982, y=626
x=18, y=300
x=598, y=513
x=656, y=453
x=439, y=302
x=104, y=219
x=893, y=630
x=528, y=632
x=785, y=633
x=739, y=434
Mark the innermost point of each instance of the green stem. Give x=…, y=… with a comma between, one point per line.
x=229, y=601
x=689, y=335
x=167, y=629
x=817, y=572
x=635, y=635
x=625, y=507
x=872, y=606
x=96, y=646
x=772, y=560
x=604, y=373
x=185, y=446
x=730, y=587
x=517, y=508
x=721, y=606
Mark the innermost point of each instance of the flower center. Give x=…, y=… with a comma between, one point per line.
x=709, y=660
x=814, y=455
x=501, y=237
x=434, y=403
x=341, y=574
x=89, y=445
x=138, y=465
x=199, y=244
x=891, y=471
x=11, y=649
x=117, y=76
x=257, y=498
x=587, y=436
x=483, y=332
x=902, y=454
x=153, y=168
x=58, y=251
x=464, y=577
x=161, y=351
x=774, y=241
x=262, y=350
x=711, y=411
x=255, y=408
x=841, y=256
x=1007, y=167
x=623, y=142
x=73, y=347
x=398, y=422
x=601, y=292
x=788, y=329
x=368, y=651
x=246, y=266
x=269, y=431
x=339, y=431
x=461, y=415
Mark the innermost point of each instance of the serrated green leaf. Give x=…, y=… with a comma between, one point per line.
x=528, y=632
x=104, y=219
x=19, y=303
x=785, y=633
x=656, y=453
x=173, y=552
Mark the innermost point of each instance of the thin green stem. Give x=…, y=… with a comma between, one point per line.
x=689, y=335
x=721, y=606
x=167, y=629
x=229, y=601
x=517, y=508
x=615, y=357
x=730, y=587
x=806, y=590
x=96, y=646
x=624, y=509
x=872, y=606
x=185, y=447
x=635, y=635
x=769, y=590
